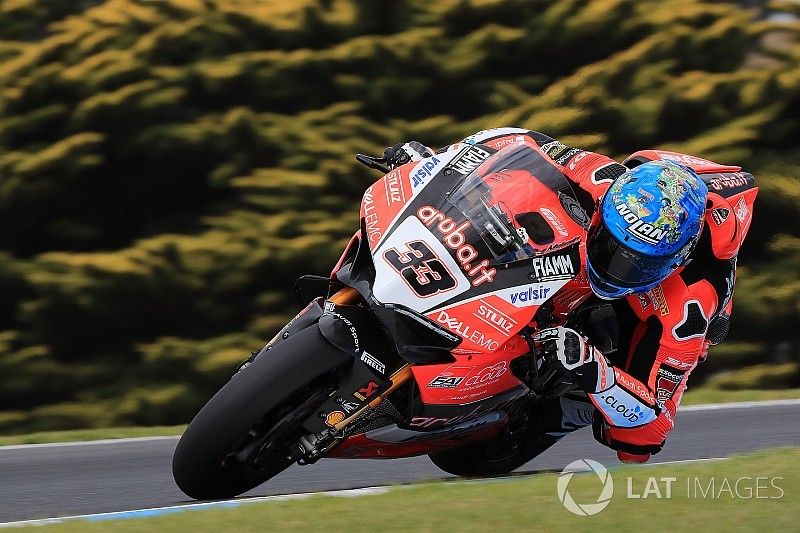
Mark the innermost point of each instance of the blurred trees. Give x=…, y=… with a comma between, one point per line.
x=168, y=168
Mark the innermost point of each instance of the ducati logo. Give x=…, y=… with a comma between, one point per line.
x=720, y=215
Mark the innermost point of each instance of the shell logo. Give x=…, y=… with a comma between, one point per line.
x=334, y=417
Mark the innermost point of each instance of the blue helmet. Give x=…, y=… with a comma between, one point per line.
x=644, y=228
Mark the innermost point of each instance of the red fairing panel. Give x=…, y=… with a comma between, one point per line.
x=387, y=197
x=729, y=220
x=425, y=261
x=392, y=442
x=487, y=322
x=383, y=201
x=472, y=377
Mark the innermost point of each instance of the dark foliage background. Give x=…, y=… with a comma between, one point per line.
x=168, y=168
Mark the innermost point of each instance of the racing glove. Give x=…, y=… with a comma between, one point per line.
x=402, y=153
x=622, y=404
x=570, y=351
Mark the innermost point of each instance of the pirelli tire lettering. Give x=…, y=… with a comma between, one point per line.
x=495, y=318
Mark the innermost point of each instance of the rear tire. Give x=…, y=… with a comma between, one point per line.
x=492, y=457
x=275, y=383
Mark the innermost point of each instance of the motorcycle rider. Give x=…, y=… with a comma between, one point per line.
x=661, y=247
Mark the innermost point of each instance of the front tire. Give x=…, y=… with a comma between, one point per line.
x=269, y=396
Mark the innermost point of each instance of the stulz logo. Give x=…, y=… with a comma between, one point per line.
x=469, y=160
x=394, y=188
x=423, y=171
x=531, y=294
x=553, y=267
x=467, y=332
x=370, y=360
x=495, y=318
x=453, y=237
x=641, y=229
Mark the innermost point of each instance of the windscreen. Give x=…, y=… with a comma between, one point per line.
x=495, y=197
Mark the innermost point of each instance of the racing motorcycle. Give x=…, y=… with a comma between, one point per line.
x=420, y=340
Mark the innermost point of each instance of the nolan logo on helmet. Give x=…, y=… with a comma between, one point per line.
x=638, y=227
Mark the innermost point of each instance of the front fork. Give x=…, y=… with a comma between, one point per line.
x=350, y=296
x=313, y=446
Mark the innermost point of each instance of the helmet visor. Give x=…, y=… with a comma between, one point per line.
x=619, y=266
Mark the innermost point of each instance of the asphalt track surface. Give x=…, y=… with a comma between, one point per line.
x=60, y=480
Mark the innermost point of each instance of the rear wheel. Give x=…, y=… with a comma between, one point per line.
x=490, y=457
x=245, y=434
x=499, y=455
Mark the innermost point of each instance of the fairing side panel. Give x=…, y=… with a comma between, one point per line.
x=472, y=377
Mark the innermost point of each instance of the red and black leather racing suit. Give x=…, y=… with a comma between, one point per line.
x=665, y=332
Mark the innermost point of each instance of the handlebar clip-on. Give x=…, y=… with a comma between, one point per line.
x=377, y=163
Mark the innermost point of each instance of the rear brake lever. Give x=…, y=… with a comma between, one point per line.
x=374, y=162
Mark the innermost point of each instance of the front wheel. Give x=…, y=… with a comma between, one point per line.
x=243, y=436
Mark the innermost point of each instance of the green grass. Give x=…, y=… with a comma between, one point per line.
x=714, y=395
x=692, y=397
x=526, y=504
x=90, y=434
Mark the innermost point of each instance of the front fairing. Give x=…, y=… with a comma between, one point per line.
x=437, y=250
